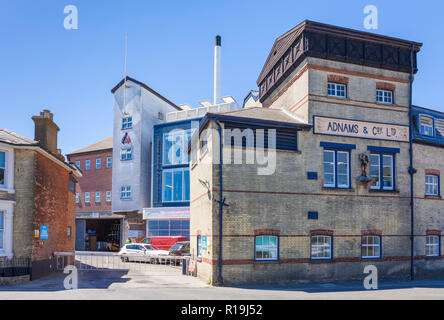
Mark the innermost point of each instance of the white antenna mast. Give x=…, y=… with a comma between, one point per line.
x=124, y=71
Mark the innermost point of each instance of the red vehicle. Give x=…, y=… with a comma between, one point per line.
x=163, y=243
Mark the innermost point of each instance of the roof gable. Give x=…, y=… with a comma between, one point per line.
x=146, y=87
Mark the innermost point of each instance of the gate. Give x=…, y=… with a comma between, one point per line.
x=109, y=261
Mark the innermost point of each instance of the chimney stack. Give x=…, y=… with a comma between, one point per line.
x=46, y=131
x=217, y=49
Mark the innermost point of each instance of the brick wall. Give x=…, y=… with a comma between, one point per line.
x=24, y=209
x=93, y=180
x=281, y=201
x=54, y=206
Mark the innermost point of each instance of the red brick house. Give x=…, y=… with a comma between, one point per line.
x=37, y=199
x=97, y=228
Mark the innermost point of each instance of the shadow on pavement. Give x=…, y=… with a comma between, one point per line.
x=91, y=279
x=347, y=287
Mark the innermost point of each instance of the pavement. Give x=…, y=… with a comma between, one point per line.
x=143, y=285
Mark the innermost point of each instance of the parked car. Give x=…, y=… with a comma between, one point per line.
x=180, y=249
x=153, y=253
x=163, y=243
x=133, y=252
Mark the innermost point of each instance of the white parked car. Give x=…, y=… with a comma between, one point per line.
x=141, y=252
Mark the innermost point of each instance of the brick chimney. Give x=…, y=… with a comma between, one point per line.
x=46, y=131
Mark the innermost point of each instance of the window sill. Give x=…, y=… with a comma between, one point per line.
x=434, y=258
x=383, y=191
x=371, y=259
x=339, y=98
x=321, y=261
x=266, y=261
x=386, y=104
x=429, y=196
x=336, y=189
x=7, y=190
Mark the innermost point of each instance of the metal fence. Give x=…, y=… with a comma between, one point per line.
x=15, y=267
x=108, y=261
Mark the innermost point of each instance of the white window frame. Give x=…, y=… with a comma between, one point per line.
x=87, y=164
x=331, y=163
x=333, y=89
x=172, y=184
x=109, y=162
x=324, y=245
x=126, y=153
x=108, y=196
x=335, y=153
x=77, y=197
x=433, y=183
x=87, y=197
x=365, y=247
x=98, y=163
x=270, y=248
x=7, y=207
x=381, y=174
x=430, y=245
x=127, y=122
x=8, y=186
x=125, y=192
x=385, y=96
x=424, y=128
x=97, y=198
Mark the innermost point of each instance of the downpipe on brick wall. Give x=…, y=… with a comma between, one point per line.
x=412, y=171
x=221, y=203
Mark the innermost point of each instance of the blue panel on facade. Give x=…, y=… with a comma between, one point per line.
x=338, y=145
x=312, y=215
x=312, y=175
x=383, y=149
x=171, y=182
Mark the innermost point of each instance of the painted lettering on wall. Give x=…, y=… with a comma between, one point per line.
x=360, y=129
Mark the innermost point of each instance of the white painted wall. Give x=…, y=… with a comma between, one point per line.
x=144, y=107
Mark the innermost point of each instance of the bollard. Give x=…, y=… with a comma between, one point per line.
x=184, y=267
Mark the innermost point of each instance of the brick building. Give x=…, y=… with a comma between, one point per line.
x=37, y=197
x=339, y=197
x=97, y=228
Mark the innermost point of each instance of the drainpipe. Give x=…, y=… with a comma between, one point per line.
x=412, y=171
x=220, y=201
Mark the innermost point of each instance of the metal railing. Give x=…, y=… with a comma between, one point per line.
x=15, y=267
x=108, y=261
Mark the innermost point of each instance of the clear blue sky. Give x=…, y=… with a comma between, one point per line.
x=71, y=72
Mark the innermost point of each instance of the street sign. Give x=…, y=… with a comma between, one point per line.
x=44, y=232
x=204, y=242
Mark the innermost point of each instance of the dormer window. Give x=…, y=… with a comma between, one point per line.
x=427, y=126
x=127, y=122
